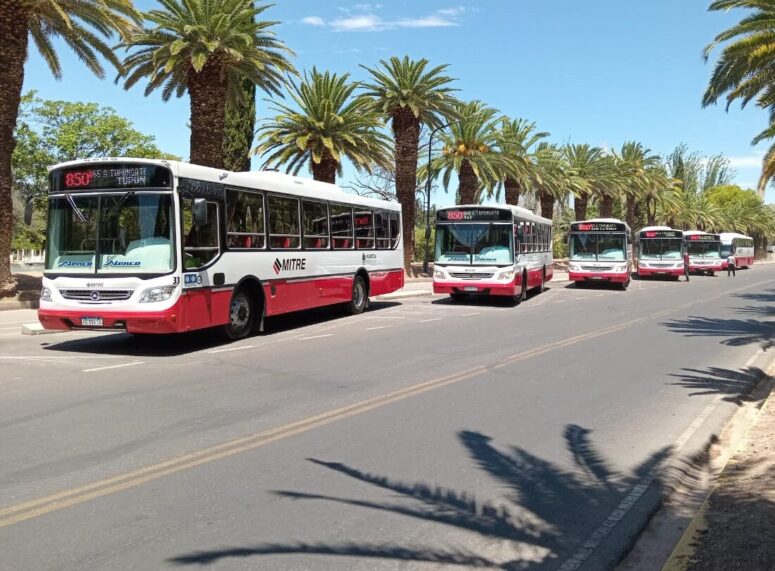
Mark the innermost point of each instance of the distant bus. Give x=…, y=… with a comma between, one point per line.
x=738, y=245
x=149, y=246
x=599, y=251
x=660, y=252
x=704, y=251
x=495, y=250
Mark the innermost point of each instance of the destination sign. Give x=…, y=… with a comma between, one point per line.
x=704, y=238
x=474, y=215
x=657, y=234
x=598, y=227
x=110, y=176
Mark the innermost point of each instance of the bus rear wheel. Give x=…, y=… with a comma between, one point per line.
x=359, y=298
x=242, y=315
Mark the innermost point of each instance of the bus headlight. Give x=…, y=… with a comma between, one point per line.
x=161, y=293
x=506, y=275
x=439, y=274
x=620, y=268
x=574, y=267
x=45, y=294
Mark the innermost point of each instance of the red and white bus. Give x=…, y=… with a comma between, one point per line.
x=599, y=251
x=496, y=250
x=738, y=245
x=151, y=246
x=704, y=251
x=660, y=252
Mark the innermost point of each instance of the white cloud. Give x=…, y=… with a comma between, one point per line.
x=369, y=22
x=746, y=161
x=314, y=21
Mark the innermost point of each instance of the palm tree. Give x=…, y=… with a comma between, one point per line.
x=744, y=70
x=327, y=124
x=590, y=175
x=549, y=177
x=470, y=150
x=84, y=26
x=410, y=96
x=515, y=140
x=642, y=176
x=206, y=48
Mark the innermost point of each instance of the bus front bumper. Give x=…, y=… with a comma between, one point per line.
x=511, y=288
x=646, y=272
x=707, y=268
x=613, y=277
x=163, y=321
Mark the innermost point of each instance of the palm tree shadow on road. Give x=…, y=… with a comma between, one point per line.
x=738, y=386
x=737, y=332
x=547, y=507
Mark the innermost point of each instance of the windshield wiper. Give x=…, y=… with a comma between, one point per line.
x=121, y=201
x=75, y=208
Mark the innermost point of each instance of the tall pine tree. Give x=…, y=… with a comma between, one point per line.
x=240, y=129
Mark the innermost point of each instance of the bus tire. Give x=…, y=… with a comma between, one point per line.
x=711, y=273
x=242, y=316
x=522, y=295
x=542, y=287
x=359, y=297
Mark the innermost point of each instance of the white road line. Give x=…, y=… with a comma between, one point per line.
x=12, y=327
x=132, y=364
x=232, y=349
x=469, y=314
x=378, y=327
x=429, y=320
x=314, y=337
x=386, y=317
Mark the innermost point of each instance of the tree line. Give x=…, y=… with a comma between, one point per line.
x=222, y=52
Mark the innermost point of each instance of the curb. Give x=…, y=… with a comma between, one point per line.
x=681, y=554
x=405, y=294
x=37, y=329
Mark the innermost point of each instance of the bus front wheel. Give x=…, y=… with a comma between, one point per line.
x=522, y=296
x=242, y=315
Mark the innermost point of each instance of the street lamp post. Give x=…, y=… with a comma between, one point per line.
x=428, y=197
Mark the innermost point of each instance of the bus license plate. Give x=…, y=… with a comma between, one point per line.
x=470, y=288
x=91, y=321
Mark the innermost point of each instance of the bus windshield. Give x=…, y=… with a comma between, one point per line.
x=112, y=233
x=705, y=249
x=726, y=250
x=598, y=247
x=661, y=249
x=476, y=244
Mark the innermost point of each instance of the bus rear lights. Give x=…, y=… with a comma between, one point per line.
x=45, y=294
x=160, y=293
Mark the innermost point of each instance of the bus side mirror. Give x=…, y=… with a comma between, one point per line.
x=28, y=212
x=199, y=211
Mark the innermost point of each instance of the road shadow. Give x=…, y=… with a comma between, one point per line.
x=767, y=296
x=185, y=343
x=739, y=387
x=757, y=310
x=480, y=300
x=734, y=332
x=546, y=508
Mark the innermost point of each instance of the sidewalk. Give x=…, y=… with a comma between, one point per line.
x=735, y=528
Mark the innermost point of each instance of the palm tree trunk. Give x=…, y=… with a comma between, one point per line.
x=207, y=90
x=547, y=204
x=607, y=207
x=651, y=211
x=13, y=52
x=629, y=216
x=468, y=183
x=406, y=131
x=580, y=204
x=325, y=171
x=513, y=190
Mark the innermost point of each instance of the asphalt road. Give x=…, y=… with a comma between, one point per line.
x=421, y=433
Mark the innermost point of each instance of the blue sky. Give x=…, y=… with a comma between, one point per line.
x=599, y=72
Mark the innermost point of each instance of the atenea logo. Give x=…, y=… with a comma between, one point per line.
x=121, y=264
x=74, y=264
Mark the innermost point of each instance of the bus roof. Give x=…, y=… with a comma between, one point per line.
x=656, y=228
x=731, y=235
x=517, y=211
x=259, y=180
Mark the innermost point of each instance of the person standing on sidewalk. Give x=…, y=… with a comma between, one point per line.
x=731, y=266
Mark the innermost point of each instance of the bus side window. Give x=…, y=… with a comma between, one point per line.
x=200, y=243
x=341, y=227
x=364, y=229
x=382, y=227
x=395, y=229
x=284, y=231
x=244, y=219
